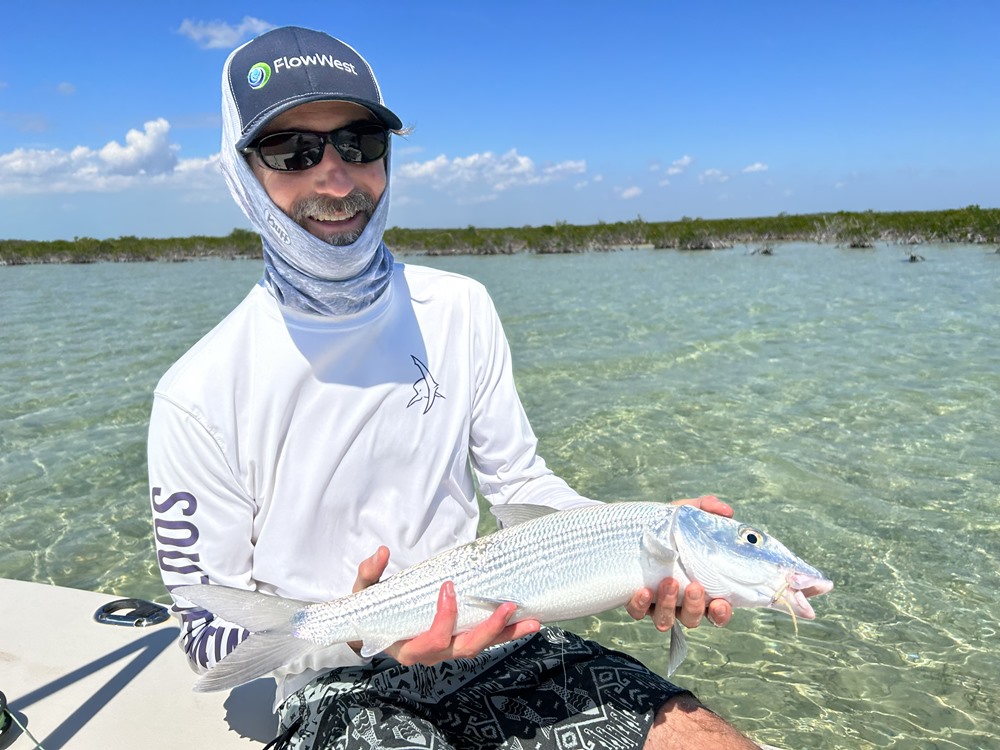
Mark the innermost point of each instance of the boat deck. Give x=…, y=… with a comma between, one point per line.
x=75, y=683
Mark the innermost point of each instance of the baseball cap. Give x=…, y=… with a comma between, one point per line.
x=289, y=66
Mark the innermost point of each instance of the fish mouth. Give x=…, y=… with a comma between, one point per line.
x=799, y=586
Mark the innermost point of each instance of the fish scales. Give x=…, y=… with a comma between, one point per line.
x=562, y=565
x=552, y=565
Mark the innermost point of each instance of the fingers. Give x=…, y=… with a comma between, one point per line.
x=437, y=639
x=371, y=569
x=494, y=630
x=665, y=611
x=694, y=605
x=638, y=606
x=709, y=504
x=437, y=644
x=720, y=612
x=433, y=645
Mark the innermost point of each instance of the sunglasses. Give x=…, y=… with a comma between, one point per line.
x=298, y=150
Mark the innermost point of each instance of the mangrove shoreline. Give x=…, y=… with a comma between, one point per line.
x=969, y=225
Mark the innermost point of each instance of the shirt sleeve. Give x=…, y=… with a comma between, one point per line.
x=202, y=524
x=503, y=445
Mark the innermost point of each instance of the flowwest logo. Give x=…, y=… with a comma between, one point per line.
x=259, y=75
x=305, y=60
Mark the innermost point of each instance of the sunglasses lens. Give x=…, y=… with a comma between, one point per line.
x=291, y=152
x=360, y=143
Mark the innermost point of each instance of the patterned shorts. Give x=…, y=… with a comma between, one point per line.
x=549, y=690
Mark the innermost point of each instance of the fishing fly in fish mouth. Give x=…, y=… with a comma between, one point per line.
x=553, y=565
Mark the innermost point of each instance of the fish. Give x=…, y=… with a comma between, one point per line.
x=552, y=564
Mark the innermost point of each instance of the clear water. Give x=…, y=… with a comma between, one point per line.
x=845, y=400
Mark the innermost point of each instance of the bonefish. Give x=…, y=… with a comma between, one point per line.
x=554, y=565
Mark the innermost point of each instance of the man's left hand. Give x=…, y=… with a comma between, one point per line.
x=694, y=606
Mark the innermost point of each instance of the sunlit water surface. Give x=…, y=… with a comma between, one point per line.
x=844, y=400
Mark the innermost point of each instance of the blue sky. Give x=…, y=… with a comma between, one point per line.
x=524, y=113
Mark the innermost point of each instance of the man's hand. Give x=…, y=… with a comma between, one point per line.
x=437, y=643
x=694, y=606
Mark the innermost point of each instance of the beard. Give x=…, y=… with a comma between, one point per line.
x=320, y=206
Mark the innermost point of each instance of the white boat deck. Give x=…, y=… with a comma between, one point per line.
x=79, y=684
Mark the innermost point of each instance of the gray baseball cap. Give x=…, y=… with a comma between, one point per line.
x=289, y=66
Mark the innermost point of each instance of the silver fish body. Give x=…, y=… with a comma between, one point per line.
x=554, y=565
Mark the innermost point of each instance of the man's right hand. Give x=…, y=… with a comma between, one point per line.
x=438, y=643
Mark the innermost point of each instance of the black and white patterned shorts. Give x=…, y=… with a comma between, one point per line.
x=549, y=690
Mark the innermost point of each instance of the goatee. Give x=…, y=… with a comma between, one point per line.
x=322, y=207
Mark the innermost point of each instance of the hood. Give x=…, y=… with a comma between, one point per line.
x=300, y=270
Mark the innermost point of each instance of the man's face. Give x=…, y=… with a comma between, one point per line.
x=335, y=199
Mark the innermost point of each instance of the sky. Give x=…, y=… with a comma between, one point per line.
x=522, y=113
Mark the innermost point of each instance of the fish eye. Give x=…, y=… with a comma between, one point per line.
x=751, y=536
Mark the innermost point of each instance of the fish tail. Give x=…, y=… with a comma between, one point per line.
x=252, y=610
x=255, y=657
x=271, y=643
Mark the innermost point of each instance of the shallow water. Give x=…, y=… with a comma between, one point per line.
x=845, y=400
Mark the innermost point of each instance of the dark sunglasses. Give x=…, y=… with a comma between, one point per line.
x=297, y=150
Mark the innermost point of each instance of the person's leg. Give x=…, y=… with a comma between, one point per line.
x=330, y=714
x=558, y=691
x=683, y=722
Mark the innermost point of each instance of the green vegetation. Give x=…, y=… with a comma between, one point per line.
x=965, y=225
x=240, y=243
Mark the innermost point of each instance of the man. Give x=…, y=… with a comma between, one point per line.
x=349, y=406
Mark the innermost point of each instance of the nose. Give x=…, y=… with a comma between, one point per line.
x=332, y=175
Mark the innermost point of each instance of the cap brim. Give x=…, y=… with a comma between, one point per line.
x=384, y=115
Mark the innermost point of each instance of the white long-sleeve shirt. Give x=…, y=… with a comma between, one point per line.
x=284, y=448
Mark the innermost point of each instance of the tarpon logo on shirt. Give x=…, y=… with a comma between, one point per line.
x=425, y=388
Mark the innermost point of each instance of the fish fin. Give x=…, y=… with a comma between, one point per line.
x=678, y=648
x=252, y=610
x=488, y=603
x=511, y=514
x=657, y=548
x=372, y=645
x=255, y=657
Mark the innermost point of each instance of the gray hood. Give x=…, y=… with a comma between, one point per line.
x=300, y=270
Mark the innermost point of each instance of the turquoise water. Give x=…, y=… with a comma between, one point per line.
x=844, y=400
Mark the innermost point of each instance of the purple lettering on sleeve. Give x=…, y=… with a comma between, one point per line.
x=186, y=539
x=191, y=503
x=162, y=557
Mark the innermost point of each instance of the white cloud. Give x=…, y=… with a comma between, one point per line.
x=631, y=192
x=713, y=175
x=146, y=158
x=755, y=167
x=221, y=35
x=484, y=171
x=679, y=165
x=66, y=88
x=148, y=152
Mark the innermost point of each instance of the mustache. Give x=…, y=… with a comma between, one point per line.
x=355, y=202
